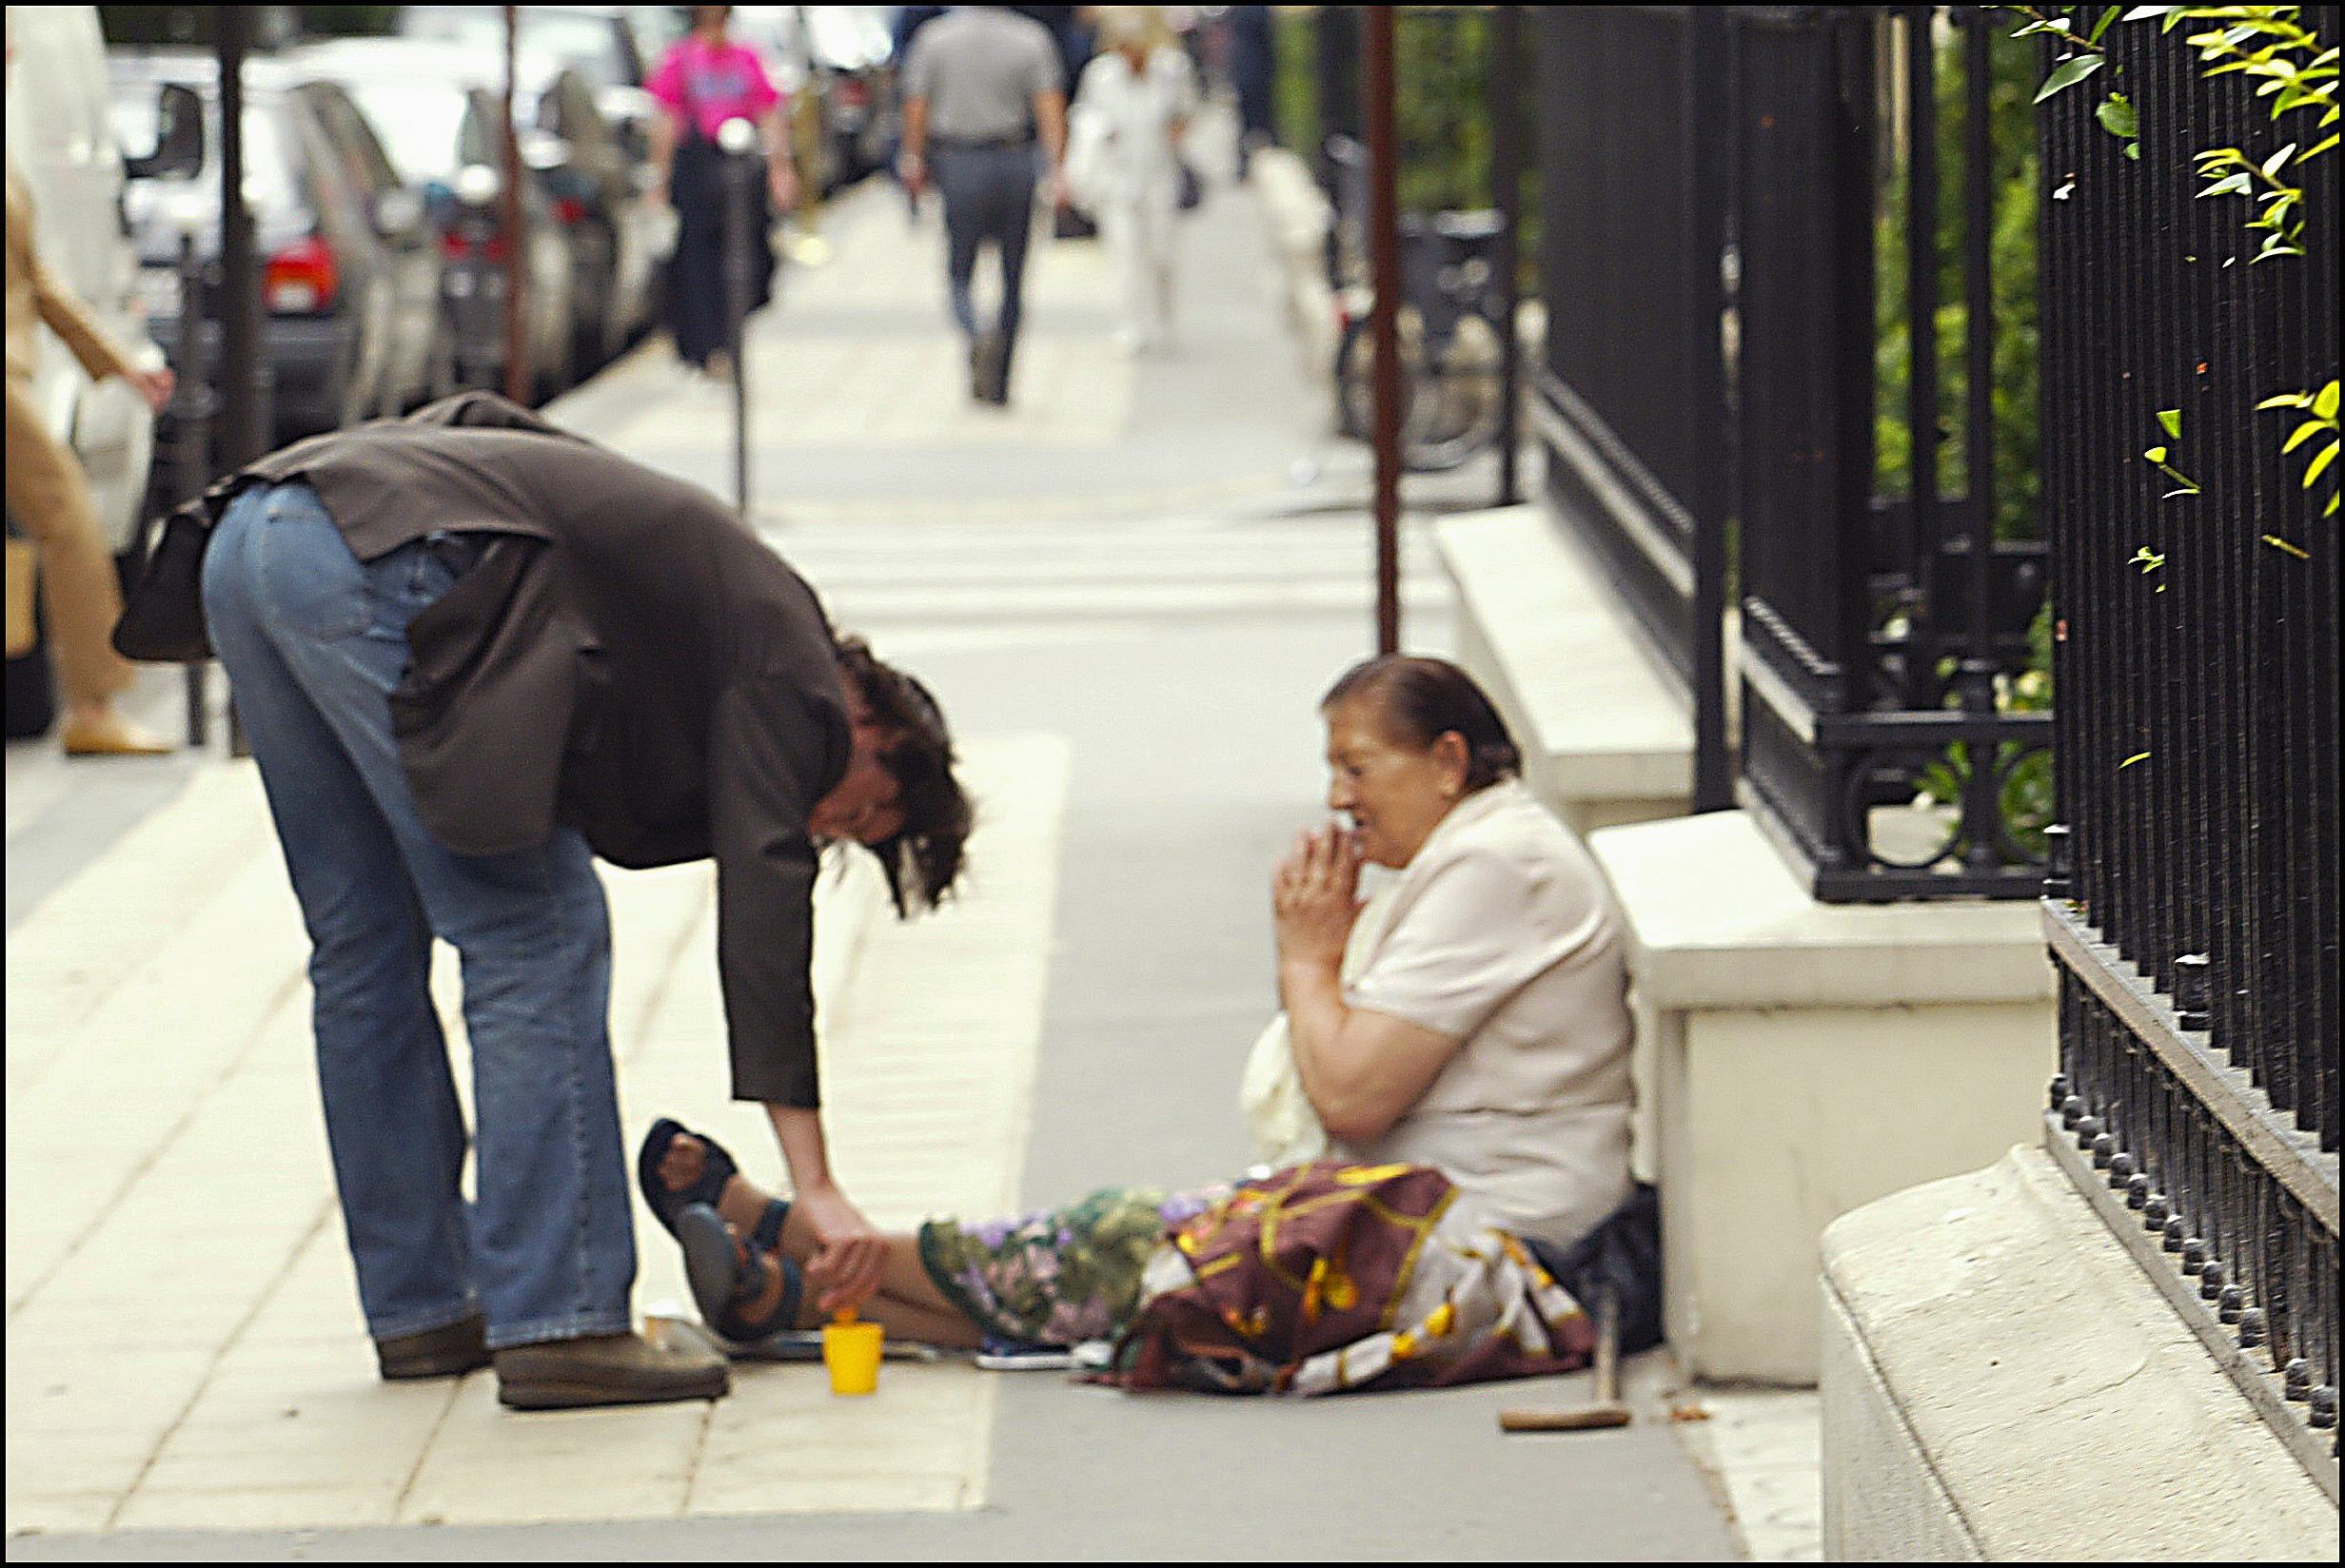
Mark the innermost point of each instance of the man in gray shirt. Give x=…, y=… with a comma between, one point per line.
x=982, y=85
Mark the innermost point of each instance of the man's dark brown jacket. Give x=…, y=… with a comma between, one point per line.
x=627, y=660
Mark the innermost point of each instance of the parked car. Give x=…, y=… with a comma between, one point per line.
x=62, y=143
x=854, y=46
x=593, y=188
x=782, y=38
x=442, y=127
x=615, y=45
x=351, y=279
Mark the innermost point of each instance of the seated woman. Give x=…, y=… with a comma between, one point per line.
x=1463, y=1039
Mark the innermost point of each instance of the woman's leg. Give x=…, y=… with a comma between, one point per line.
x=909, y=1305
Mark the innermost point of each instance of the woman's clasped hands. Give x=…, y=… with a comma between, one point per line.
x=1316, y=897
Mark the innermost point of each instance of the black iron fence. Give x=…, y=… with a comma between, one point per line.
x=2196, y=604
x=1631, y=387
x=1709, y=402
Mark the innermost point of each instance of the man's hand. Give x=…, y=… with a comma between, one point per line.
x=848, y=1255
x=912, y=171
x=1315, y=897
x=782, y=179
x=1056, y=187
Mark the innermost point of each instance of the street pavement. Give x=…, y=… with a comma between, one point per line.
x=1127, y=591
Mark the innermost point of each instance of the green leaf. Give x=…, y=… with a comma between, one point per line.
x=2287, y=400
x=2324, y=403
x=2070, y=74
x=2278, y=543
x=2321, y=459
x=2303, y=433
x=2278, y=161
x=2171, y=419
x=2102, y=26
x=2118, y=116
x=2143, y=13
x=2156, y=454
x=2230, y=185
x=2138, y=756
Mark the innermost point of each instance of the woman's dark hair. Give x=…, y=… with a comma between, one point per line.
x=1421, y=700
x=924, y=859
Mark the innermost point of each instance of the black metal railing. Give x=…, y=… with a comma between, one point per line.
x=1878, y=630
x=1631, y=387
x=2196, y=622
x=1711, y=375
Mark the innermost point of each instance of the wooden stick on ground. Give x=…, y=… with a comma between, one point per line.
x=1606, y=1410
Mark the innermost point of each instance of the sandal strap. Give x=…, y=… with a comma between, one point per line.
x=744, y=1331
x=768, y=1232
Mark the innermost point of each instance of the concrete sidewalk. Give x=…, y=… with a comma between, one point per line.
x=187, y=1375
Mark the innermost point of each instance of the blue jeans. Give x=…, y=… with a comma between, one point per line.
x=988, y=197
x=313, y=642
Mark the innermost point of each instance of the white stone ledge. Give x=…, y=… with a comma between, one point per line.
x=1720, y=922
x=1797, y=1060
x=2002, y=1382
x=1606, y=737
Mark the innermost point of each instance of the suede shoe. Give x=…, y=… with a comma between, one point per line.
x=606, y=1369
x=446, y=1352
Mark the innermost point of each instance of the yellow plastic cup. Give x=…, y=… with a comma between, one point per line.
x=851, y=1354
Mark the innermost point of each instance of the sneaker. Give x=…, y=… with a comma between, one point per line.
x=446, y=1352
x=606, y=1369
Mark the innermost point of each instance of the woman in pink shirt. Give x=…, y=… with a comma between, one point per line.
x=706, y=79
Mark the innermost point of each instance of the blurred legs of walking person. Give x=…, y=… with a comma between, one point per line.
x=1140, y=235
x=698, y=310
x=314, y=643
x=82, y=596
x=989, y=198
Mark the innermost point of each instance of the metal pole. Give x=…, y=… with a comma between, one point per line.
x=509, y=222
x=241, y=438
x=1981, y=800
x=1384, y=322
x=244, y=428
x=192, y=405
x=735, y=138
x=1713, y=499
x=1507, y=174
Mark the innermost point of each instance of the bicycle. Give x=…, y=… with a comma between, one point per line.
x=1450, y=344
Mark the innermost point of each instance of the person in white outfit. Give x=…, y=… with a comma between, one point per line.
x=1132, y=106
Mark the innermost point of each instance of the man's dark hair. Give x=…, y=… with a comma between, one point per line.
x=1422, y=699
x=922, y=861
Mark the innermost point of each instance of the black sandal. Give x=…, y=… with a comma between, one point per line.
x=728, y=1272
x=666, y=1204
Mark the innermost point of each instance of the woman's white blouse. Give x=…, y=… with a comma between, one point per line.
x=1128, y=125
x=1501, y=933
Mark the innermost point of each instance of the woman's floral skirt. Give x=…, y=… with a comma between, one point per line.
x=1057, y=1276
x=1313, y=1279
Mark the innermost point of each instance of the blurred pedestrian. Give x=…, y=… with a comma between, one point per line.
x=1254, y=72
x=1133, y=106
x=705, y=79
x=49, y=496
x=981, y=88
x=473, y=651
